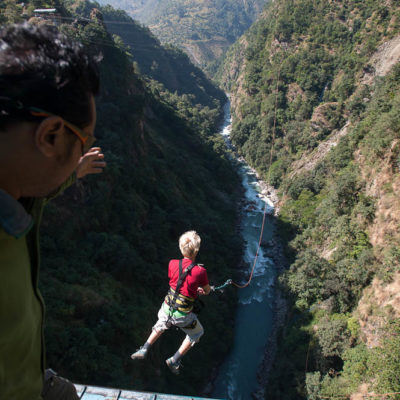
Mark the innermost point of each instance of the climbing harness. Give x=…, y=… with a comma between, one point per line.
x=176, y=300
x=198, y=306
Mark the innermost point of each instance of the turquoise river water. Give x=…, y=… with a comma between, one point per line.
x=237, y=377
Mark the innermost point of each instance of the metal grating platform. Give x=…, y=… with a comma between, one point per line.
x=98, y=393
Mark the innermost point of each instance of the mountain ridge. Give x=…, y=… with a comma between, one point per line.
x=203, y=29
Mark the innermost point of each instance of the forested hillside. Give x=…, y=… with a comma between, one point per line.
x=167, y=65
x=107, y=241
x=326, y=74
x=203, y=28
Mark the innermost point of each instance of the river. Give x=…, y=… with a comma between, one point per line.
x=237, y=377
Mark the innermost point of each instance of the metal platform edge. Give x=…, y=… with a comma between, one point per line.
x=86, y=392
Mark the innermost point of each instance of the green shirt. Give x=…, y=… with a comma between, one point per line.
x=22, y=351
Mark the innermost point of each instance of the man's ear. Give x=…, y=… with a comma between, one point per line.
x=49, y=136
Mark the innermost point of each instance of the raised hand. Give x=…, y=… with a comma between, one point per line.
x=91, y=162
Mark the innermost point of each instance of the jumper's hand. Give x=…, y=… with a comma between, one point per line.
x=204, y=290
x=91, y=162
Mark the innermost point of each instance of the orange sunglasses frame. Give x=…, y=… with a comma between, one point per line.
x=86, y=139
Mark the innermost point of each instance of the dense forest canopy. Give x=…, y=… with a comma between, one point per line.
x=327, y=74
x=107, y=241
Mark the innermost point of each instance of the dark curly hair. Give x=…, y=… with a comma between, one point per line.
x=42, y=68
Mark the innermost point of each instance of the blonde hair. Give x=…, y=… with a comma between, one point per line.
x=189, y=244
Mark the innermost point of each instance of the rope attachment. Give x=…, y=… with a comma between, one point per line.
x=227, y=283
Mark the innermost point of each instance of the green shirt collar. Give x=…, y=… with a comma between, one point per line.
x=13, y=217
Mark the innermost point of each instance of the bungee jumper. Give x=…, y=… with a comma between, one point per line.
x=187, y=280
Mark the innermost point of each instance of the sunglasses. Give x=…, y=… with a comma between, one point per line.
x=86, y=139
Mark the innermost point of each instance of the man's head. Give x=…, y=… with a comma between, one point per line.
x=47, y=111
x=189, y=244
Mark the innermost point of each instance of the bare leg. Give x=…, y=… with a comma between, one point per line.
x=185, y=347
x=154, y=336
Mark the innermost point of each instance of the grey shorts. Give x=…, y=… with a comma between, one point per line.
x=188, y=324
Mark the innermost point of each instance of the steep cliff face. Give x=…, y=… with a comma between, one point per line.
x=166, y=65
x=231, y=73
x=318, y=84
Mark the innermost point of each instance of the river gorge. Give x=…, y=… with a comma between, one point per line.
x=239, y=375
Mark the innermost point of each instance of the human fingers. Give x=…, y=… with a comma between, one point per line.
x=95, y=170
x=93, y=155
x=90, y=155
x=97, y=148
x=94, y=150
x=99, y=164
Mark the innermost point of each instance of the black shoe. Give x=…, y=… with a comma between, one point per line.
x=139, y=354
x=174, y=367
